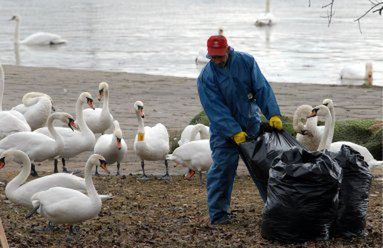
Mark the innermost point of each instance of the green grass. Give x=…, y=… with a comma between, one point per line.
x=356, y=131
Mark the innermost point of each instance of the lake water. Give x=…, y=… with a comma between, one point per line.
x=163, y=37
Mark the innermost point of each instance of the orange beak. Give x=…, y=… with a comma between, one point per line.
x=104, y=166
x=190, y=174
x=119, y=145
x=2, y=163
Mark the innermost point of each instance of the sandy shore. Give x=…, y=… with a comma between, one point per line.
x=172, y=101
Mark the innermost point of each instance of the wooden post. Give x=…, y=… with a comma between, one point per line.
x=3, y=238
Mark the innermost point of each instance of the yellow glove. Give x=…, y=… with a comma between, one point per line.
x=276, y=122
x=239, y=137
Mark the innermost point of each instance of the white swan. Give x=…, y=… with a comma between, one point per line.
x=330, y=105
x=265, y=19
x=195, y=155
x=36, y=107
x=99, y=119
x=10, y=121
x=335, y=147
x=194, y=132
x=37, y=146
x=68, y=206
x=78, y=141
x=355, y=73
x=308, y=134
x=112, y=147
x=40, y=38
x=150, y=143
x=20, y=192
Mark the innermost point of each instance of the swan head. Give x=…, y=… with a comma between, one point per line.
x=328, y=103
x=118, y=134
x=97, y=159
x=300, y=117
x=139, y=108
x=102, y=87
x=87, y=98
x=15, y=18
x=67, y=118
x=320, y=110
x=10, y=155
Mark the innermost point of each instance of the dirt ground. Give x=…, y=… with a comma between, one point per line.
x=157, y=213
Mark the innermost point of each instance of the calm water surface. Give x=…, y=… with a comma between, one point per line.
x=164, y=37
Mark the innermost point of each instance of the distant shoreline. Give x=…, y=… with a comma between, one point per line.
x=186, y=77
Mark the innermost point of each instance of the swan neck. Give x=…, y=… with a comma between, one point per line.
x=17, y=36
x=80, y=117
x=2, y=82
x=56, y=136
x=22, y=176
x=267, y=7
x=105, y=104
x=331, y=132
x=141, y=128
x=201, y=129
x=324, y=140
x=90, y=189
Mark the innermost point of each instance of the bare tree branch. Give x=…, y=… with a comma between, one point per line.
x=330, y=13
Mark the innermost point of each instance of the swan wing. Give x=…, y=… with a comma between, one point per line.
x=36, y=115
x=96, y=120
x=9, y=124
x=39, y=147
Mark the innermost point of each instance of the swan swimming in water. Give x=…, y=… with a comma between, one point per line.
x=68, y=206
x=36, y=39
x=265, y=19
x=354, y=73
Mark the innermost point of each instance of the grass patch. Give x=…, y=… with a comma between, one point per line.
x=356, y=131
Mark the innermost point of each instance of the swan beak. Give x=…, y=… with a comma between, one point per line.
x=2, y=162
x=190, y=174
x=119, y=145
x=313, y=113
x=142, y=114
x=104, y=166
x=72, y=125
x=53, y=109
x=90, y=104
x=100, y=95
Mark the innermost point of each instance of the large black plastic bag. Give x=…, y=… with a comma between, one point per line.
x=258, y=154
x=354, y=192
x=302, y=197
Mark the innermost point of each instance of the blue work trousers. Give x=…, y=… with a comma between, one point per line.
x=220, y=179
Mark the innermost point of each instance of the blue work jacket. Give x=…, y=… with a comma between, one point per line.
x=232, y=95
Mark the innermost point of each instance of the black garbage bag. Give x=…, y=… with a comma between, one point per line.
x=354, y=192
x=302, y=197
x=259, y=153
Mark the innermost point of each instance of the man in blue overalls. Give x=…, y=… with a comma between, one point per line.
x=231, y=88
